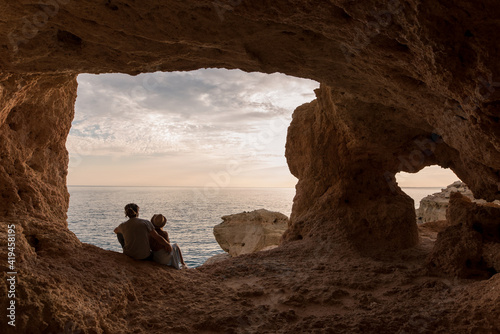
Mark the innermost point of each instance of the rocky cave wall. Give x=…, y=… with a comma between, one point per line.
x=35, y=118
x=405, y=84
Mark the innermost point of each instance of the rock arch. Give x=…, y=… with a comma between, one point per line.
x=405, y=84
x=391, y=99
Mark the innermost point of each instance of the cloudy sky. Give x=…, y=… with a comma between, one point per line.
x=201, y=128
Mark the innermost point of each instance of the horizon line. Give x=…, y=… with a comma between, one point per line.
x=148, y=186
x=144, y=186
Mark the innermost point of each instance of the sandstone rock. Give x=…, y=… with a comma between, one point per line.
x=217, y=258
x=433, y=207
x=346, y=188
x=469, y=247
x=405, y=84
x=397, y=94
x=249, y=232
x=431, y=229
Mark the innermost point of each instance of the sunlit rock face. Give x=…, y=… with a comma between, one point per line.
x=35, y=116
x=405, y=84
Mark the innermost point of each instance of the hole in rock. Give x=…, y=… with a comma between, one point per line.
x=34, y=242
x=428, y=181
x=194, y=146
x=477, y=227
x=110, y=5
x=13, y=126
x=69, y=39
x=491, y=271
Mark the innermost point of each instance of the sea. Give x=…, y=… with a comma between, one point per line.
x=191, y=213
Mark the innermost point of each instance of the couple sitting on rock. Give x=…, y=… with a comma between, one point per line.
x=142, y=239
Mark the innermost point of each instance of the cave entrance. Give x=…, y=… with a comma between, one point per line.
x=430, y=180
x=193, y=146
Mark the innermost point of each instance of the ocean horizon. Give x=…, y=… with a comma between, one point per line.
x=192, y=212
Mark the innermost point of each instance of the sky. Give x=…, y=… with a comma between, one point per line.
x=205, y=128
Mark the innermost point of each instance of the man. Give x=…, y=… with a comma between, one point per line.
x=134, y=235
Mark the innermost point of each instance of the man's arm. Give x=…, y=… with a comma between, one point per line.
x=160, y=240
x=164, y=234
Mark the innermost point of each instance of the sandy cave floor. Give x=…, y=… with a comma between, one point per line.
x=343, y=292
x=296, y=288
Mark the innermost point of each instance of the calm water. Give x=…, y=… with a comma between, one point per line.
x=418, y=193
x=191, y=212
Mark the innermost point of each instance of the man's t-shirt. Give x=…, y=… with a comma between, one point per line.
x=136, y=234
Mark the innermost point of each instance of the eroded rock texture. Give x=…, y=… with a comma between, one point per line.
x=405, y=84
x=35, y=116
x=434, y=207
x=470, y=247
x=346, y=184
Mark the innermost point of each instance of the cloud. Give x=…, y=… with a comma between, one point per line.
x=219, y=114
x=182, y=128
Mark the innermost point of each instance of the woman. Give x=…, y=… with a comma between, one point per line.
x=160, y=255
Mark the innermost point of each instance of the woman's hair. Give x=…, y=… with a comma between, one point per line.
x=132, y=210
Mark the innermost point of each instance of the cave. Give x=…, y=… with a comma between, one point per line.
x=404, y=85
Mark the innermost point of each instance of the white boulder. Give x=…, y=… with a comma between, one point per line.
x=249, y=232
